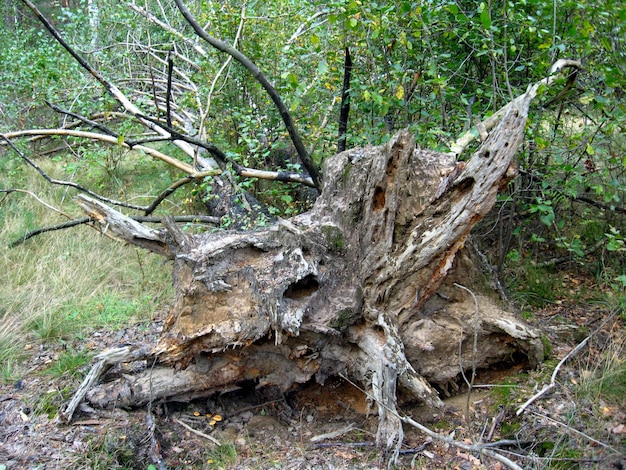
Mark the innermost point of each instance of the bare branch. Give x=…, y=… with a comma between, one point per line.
x=37, y=198
x=307, y=161
x=106, y=360
x=345, y=102
x=198, y=433
x=150, y=17
x=66, y=183
x=196, y=219
x=168, y=95
x=305, y=28
x=462, y=142
x=108, y=139
x=124, y=227
x=84, y=120
x=552, y=383
x=222, y=158
x=110, y=87
x=480, y=448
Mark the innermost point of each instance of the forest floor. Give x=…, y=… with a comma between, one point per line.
x=577, y=425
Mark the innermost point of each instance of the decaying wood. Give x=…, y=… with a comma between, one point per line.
x=105, y=360
x=360, y=286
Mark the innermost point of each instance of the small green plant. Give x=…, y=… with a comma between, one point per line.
x=69, y=364
x=9, y=371
x=535, y=286
x=605, y=380
x=49, y=326
x=50, y=402
x=222, y=456
x=112, y=450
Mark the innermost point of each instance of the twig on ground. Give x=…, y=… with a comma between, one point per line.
x=552, y=383
x=478, y=448
x=198, y=433
x=576, y=431
x=569, y=355
x=333, y=434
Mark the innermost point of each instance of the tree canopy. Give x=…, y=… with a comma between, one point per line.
x=435, y=68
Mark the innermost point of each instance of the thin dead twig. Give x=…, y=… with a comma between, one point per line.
x=552, y=383
x=576, y=431
x=485, y=449
x=198, y=433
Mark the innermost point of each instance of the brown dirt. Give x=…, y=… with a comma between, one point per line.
x=262, y=428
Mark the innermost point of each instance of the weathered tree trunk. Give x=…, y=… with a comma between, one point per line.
x=354, y=287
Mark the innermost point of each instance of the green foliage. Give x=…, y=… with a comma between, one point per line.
x=223, y=456
x=69, y=364
x=535, y=286
x=50, y=402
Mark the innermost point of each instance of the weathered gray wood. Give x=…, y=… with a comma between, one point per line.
x=361, y=286
x=340, y=285
x=122, y=227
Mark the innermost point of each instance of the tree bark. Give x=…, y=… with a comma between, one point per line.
x=353, y=287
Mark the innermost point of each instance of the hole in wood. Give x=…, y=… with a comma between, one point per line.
x=391, y=166
x=302, y=288
x=379, y=199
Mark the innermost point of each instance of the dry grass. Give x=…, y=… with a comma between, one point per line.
x=59, y=285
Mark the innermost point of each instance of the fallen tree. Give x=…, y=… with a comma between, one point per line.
x=374, y=283
x=377, y=283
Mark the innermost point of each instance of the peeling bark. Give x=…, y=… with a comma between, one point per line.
x=361, y=286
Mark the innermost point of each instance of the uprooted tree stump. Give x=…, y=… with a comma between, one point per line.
x=374, y=284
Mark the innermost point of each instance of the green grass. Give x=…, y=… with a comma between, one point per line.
x=70, y=363
x=534, y=286
x=223, y=456
x=60, y=286
x=50, y=402
x=604, y=380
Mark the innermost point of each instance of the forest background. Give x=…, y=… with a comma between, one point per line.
x=555, y=238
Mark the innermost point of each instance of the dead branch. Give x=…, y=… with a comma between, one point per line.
x=124, y=227
x=198, y=433
x=572, y=430
x=128, y=105
x=240, y=170
x=71, y=184
x=113, y=141
x=462, y=142
x=475, y=448
x=173, y=31
x=196, y=219
x=258, y=75
x=345, y=102
x=552, y=383
x=82, y=119
x=105, y=360
x=37, y=198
